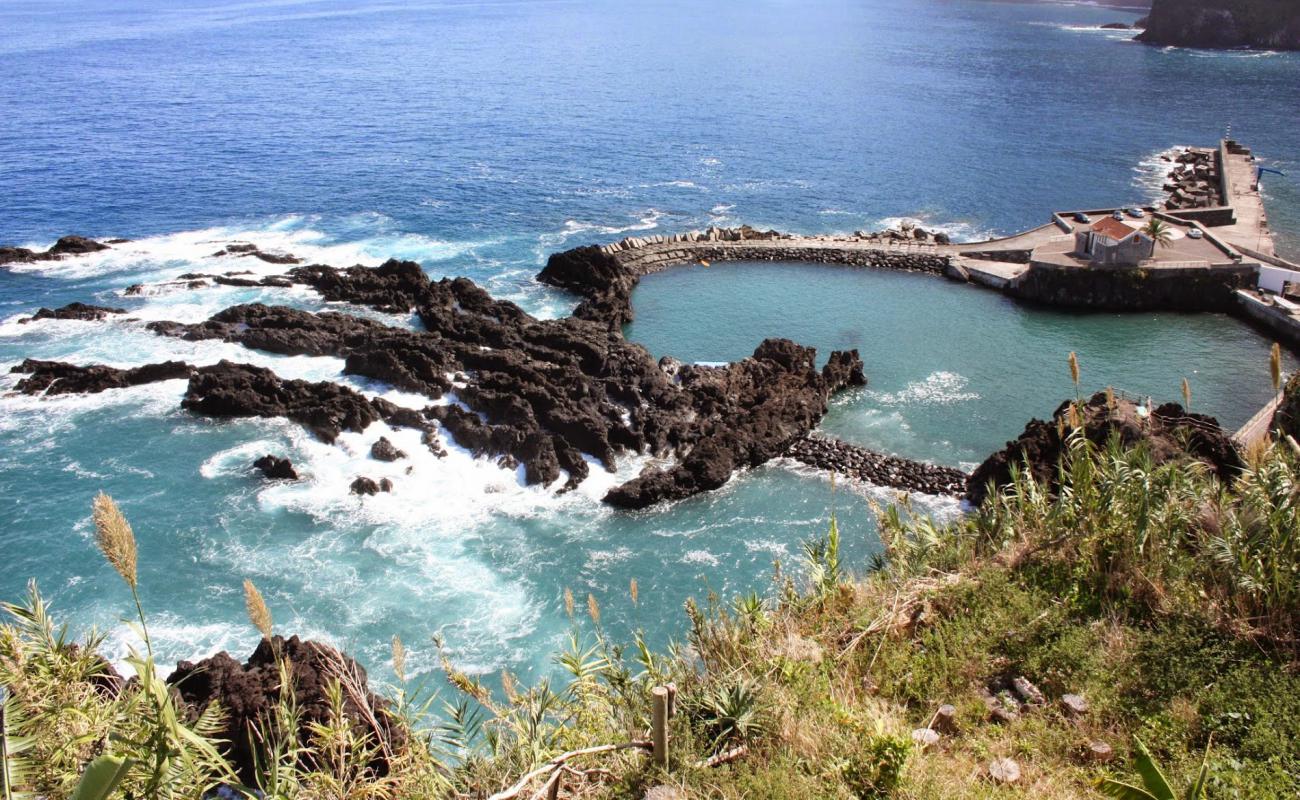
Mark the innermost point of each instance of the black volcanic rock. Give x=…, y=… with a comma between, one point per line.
x=394, y=287
x=384, y=450
x=76, y=311
x=549, y=396
x=66, y=246
x=1169, y=433
x=57, y=377
x=744, y=414
x=250, y=692
x=75, y=245
x=326, y=409
x=369, y=486
x=252, y=250
x=276, y=468
x=1224, y=24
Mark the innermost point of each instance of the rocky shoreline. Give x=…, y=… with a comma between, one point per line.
x=548, y=396
x=551, y=398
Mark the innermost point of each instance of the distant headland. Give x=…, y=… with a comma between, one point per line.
x=1224, y=24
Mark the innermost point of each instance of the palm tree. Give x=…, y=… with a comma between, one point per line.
x=1159, y=232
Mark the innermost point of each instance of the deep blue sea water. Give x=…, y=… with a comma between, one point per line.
x=477, y=137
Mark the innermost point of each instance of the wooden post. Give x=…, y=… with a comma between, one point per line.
x=672, y=700
x=6, y=788
x=659, y=725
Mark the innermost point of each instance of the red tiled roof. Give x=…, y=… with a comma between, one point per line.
x=1114, y=229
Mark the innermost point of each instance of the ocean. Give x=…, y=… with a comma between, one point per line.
x=477, y=138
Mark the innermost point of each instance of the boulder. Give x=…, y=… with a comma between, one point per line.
x=369, y=486
x=276, y=468
x=384, y=450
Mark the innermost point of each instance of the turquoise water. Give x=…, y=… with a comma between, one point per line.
x=953, y=370
x=476, y=138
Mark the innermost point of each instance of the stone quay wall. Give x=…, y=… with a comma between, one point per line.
x=644, y=256
x=1153, y=289
x=842, y=458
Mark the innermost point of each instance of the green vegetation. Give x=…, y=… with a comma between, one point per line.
x=1159, y=232
x=1166, y=601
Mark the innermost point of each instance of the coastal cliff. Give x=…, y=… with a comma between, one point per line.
x=1223, y=24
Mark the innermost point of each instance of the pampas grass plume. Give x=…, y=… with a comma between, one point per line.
x=115, y=538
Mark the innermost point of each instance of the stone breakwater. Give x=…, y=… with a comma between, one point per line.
x=606, y=275
x=1194, y=181
x=859, y=463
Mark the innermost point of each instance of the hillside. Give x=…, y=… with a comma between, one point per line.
x=1256, y=24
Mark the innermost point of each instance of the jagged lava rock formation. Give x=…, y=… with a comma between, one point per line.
x=1168, y=431
x=541, y=394
x=1224, y=24
x=249, y=693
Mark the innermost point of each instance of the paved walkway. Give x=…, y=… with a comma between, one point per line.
x=1251, y=229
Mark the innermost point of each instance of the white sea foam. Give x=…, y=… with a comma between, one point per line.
x=702, y=557
x=1150, y=174
x=163, y=257
x=174, y=640
x=647, y=220
x=958, y=230
x=939, y=388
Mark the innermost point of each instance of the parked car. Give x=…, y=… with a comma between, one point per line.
x=1195, y=233
x=1135, y=212
x=1119, y=215
x=1079, y=216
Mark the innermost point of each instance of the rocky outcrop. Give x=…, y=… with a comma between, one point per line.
x=1287, y=417
x=1221, y=24
x=56, y=377
x=67, y=246
x=74, y=311
x=1168, y=432
x=247, y=250
x=227, y=390
x=746, y=413
x=276, y=468
x=861, y=464
x=249, y=694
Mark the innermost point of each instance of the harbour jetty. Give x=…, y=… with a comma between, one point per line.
x=1214, y=246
